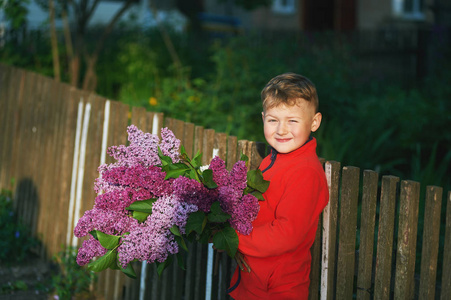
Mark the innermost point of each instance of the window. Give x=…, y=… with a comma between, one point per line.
x=409, y=9
x=283, y=6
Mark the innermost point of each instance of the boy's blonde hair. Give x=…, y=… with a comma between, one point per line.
x=287, y=89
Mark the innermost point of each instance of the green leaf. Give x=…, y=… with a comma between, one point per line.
x=175, y=173
x=193, y=174
x=182, y=150
x=108, y=241
x=163, y=265
x=140, y=216
x=205, y=236
x=94, y=234
x=181, y=242
x=255, y=180
x=244, y=158
x=197, y=160
x=258, y=195
x=129, y=271
x=196, y=222
x=165, y=160
x=142, y=205
x=217, y=215
x=207, y=179
x=226, y=239
x=175, y=230
x=103, y=262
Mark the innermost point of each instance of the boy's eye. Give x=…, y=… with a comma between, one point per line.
x=293, y=121
x=271, y=120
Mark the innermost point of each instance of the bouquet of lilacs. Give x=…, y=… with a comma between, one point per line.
x=154, y=197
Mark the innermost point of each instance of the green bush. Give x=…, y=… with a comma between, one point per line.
x=16, y=241
x=71, y=281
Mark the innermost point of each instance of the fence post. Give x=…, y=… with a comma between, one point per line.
x=407, y=238
x=431, y=236
x=446, y=276
x=347, y=232
x=330, y=219
x=368, y=217
x=385, y=237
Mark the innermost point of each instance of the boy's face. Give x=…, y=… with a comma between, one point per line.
x=287, y=128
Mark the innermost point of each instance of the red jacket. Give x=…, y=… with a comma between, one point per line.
x=278, y=248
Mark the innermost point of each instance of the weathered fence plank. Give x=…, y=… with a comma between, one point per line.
x=315, y=271
x=329, y=231
x=446, y=276
x=431, y=236
x=188, y=139
x=407, y=238
x=367, y=223
x=347, y=232
x=385, y=237
x=232, y=144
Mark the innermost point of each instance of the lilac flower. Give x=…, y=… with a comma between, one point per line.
x=220, y=173
x=107, y=221
x=153, y=240
x=244, y=213
x=89, y=249
x=170, y=145
x=238, y=175
x=192, y=191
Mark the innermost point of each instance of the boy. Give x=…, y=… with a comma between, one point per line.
x=274, y=260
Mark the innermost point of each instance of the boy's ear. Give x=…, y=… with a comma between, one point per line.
x=316, y=122
x=263, y=116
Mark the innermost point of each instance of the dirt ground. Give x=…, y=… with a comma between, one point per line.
x=28, y=280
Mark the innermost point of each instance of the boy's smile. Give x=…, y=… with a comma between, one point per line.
x=287, y=128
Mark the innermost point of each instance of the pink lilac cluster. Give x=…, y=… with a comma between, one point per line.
x=152, y=240
x=133, y=177
x=242, y=208
x=194, y=192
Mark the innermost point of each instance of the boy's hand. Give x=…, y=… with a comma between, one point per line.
x=241, y=262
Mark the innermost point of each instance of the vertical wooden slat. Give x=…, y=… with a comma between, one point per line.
x=139, y=118
x=8, y=104
x=66, y=165
x=220, y=143
x=368, y=217
x=407, y=238
x=16, y=97
x=244, y=148
x=26, y=200
x=446, y=276
x=315, y=269
x=385, y=237
x=329, y=231
x=207, y=146
x=198, y=139
x=258, y=151
x=57, y=230
x=232, y=158
x=188, y=139
x=431, y=236
x=347, y=232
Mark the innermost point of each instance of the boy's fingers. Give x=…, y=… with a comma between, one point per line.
x=241, y=262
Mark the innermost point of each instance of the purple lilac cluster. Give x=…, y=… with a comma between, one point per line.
x=152, y=240
x=134, y=177
x=243, y=209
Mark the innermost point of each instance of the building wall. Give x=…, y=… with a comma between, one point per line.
x=373, y=14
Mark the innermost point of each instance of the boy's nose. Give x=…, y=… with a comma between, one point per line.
x=282, y=129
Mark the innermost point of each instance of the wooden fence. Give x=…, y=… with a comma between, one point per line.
x=53, y=137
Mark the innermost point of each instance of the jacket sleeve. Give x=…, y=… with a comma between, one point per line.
x=296, y=213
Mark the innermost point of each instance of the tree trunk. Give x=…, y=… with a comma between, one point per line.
x=54, y=41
